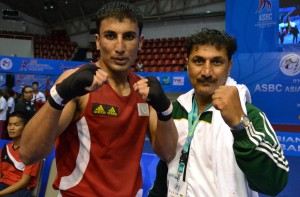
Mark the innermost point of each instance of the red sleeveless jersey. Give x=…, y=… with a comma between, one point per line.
x=12, y=167
x=100, y=154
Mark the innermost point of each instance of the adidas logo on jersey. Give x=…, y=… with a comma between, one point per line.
x=112, y=112
x=101, y=109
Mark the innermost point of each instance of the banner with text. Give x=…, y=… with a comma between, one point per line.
x=268, y=58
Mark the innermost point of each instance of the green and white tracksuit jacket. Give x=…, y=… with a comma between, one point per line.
x=245, y=161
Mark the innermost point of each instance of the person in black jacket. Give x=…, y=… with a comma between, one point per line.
x=24, y=104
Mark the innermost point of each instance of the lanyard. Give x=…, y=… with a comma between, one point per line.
x=193, y=120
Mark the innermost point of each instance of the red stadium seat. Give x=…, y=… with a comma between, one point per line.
x=180, y=44
x=159, y=45
x=147, y=45
x=160, y=62
x=175, y=50
x=44, y=52
x=149, y=56
x=154, y=69
x=176, y=39
x=182, y=62
x=141, y=51
x=148, y=51
x=153, y=62
x=161, y=50
x=166, y=44
x=37, y=46
x=145, y=41
x=167, y=62
x=146, y=69
x=174, y=62
x=142, y=57
x=52, y=52
x=154, y=45
x=178, y=55
x=161, y=69
x=44, y=46
x=168, y=69
x=146, y=63
x=172, y=44
x=169, y=50
x=182, y=39
x=182, y=49
x=163, y=40
x=155, y=50
x=171, y=56
x=169, y=39
x=157, y=56
x=177, y=68
x=37, y=52
x=164, y=56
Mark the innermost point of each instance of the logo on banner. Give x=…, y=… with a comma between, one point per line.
x=290, y=64
x=264, y=4
x=6, y=63
x=265, y=15
x=178, y=81
x=166, y=80
x=24, y=65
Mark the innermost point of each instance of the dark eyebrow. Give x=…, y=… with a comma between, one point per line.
x=217, y=57
x=19, y=122
x=198, y=57
x=130, y=32
x=110, y=32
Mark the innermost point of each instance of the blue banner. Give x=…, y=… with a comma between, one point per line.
x=45, y=72
x=254, y=23
x=171, y=81
x=290, y=143
x=45, y=81
x=35, y=65
x=2, y=81
x=268, y=65
x=28, y=70
x=274, y=82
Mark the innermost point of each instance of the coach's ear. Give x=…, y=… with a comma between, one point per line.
x=141, y=41
x=97, y=39
x=229, y=67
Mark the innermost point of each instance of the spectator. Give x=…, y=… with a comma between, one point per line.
x=38, y=98
x=24, y=103
x=10, y=107
x=16, y=179
x=139, y=66
x=3, y=107
x=10, y=102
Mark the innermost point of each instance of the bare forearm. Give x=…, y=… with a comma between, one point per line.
x=166, y=139
x=39, y=135
x=13, y=188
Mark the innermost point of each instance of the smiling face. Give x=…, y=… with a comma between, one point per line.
x=118, y=42
x=208, y=68
x=15, y=127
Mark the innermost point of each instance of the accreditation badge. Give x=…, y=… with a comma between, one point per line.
x=176, y=188
x=143, y=109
